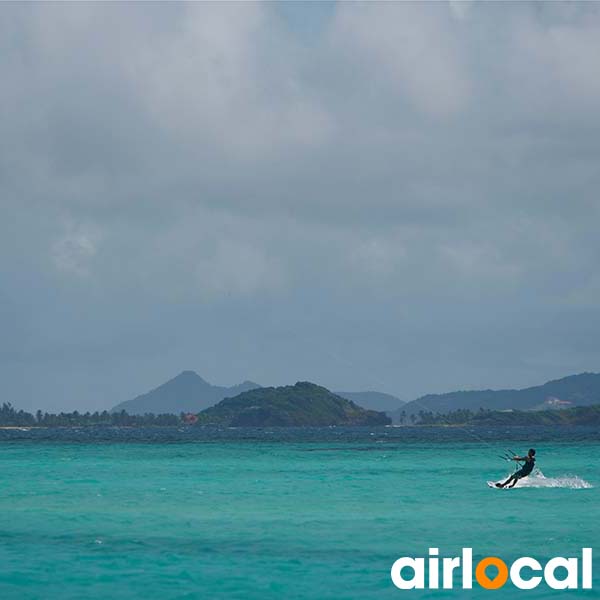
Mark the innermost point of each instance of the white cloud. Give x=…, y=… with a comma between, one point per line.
x=460, y=8
x=562, y=56
x=74, y=251
x=407, y=49
x=208, y=84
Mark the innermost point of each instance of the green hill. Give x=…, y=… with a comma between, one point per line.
x=302, y=405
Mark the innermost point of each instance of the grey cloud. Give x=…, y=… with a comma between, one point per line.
x=398, y=196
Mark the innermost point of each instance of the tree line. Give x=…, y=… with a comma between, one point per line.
x=577, y=415
x=10, y=416
x=426, y=417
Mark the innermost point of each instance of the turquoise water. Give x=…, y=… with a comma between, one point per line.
x=298, y=517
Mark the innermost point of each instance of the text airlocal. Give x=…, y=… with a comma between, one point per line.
x=526, y=573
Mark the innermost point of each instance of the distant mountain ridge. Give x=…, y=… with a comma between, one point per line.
x=304, y=404
x=187, y=392
x=576, y=390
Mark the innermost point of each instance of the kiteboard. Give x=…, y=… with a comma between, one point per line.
x=493, y=485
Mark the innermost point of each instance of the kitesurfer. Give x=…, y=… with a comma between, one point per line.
x=524, y=471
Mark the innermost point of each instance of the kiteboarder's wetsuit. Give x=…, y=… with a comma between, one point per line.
x=523, y=471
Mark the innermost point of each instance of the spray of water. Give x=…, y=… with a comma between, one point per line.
x=538, y=480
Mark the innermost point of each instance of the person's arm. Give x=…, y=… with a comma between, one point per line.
x=519, y=458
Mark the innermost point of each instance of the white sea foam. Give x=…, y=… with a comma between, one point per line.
x=538, y=480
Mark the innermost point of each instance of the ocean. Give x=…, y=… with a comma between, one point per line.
x=281, y=513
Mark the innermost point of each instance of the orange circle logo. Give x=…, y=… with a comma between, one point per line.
x=498, y=581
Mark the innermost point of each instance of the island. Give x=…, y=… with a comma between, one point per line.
x=304, y=404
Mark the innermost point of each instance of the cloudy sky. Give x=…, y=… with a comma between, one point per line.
x=397, y=197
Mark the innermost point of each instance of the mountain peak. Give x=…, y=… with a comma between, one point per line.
x=186, y=392
x=190, y=375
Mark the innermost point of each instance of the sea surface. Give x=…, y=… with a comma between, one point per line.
x=162, y=513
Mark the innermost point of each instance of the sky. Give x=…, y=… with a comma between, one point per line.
x=392, y=197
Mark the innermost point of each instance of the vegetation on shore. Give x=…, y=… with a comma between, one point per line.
x=10, y=417
x=579, y=415
x=304, y=404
